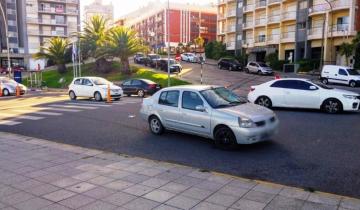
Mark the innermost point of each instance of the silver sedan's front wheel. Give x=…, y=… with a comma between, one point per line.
x=155, y=125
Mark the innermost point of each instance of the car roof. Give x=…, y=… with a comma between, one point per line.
x=190, y=87
x=284, y=79
x=345, y=67
x=88, y=78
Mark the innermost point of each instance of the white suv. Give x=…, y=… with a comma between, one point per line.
x=93, y=87
x=340, y=74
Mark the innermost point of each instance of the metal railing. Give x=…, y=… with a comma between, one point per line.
x=288, y=35
x=260, y=21
x=326, y=7
x=231, y=13
x=260, y=4
x=248, y=7
x=289, y=15
x=274, y=1
x=273, y=38
x=260, y=39
x=274, y=18
x=248, y=24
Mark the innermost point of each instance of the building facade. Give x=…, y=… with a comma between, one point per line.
x=186, y=22
x=98, y=8
x=295, y=29
x=32, y=23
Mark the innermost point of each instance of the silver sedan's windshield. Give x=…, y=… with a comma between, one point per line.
x=221, y=97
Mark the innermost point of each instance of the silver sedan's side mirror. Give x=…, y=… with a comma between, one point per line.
x=200, y=108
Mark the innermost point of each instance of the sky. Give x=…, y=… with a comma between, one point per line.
x=123, y=7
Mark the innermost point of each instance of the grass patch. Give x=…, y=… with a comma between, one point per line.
x=51, y=78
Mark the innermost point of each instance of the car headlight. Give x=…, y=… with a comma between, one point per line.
x=245, y=123
x=350, y=97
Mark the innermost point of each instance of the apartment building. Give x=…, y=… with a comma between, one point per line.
x=99, y=8
x=293, y=28
x=186, y=22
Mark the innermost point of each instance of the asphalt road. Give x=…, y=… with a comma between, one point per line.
x=312, y=150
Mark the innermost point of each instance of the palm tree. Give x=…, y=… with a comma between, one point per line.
x=94, y=40
x=123, y=43
x=55, y=50
x=346, y=49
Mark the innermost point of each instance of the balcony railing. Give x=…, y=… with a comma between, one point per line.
x=274, y=1
x=249, y=7
x=260, y=39
x=248, y=24
x=274, y=18
x=289, y=15
x=260, y=4
x=288, y=36
x=58, y=11
x=248, y=42
x=273, y=38
x=231, y=13
x=339, y=28
x=47, y=22
x=326, y=7
x=260, y=21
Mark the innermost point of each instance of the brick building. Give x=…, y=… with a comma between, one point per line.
x=187, y=22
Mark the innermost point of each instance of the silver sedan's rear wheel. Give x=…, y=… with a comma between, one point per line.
x=155, y=125
x=264, y=101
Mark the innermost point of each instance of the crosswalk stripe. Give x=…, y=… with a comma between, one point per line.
x=72, y=106
x=36, y=111
x=27, y=117
x=63, y=110
x=9, y=122
x=88, y=104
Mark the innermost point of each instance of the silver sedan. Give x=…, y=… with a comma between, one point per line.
x=8, y=86
x=211, y=112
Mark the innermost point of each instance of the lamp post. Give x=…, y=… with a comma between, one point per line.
x=323, y=35
x=168, y=37
x=7, y=39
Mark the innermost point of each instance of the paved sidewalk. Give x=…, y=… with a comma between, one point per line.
x=39, y=174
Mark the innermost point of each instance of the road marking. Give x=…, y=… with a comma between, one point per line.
x=72, y=106
x=27, y=117
x=9, y=122
x=88, y=104
x=64, y=110
x=38, y=112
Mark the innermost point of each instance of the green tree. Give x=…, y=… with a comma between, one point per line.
x=209, y=48
x=123, y=43
x=55, y=50
x=94, y=40
x=346, y=49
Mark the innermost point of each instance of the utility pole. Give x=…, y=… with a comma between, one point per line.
x=168, y=35
x=7, y=39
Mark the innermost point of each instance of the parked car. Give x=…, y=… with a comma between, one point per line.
x=340, y=75
x=210, y=111
x=4, y=70
x=303, y=93
x=93, y=87
x=189, y=57
x=229, y=64
x=174, y=66
x=8, y=87
x=140, y=87
x=259, y=68
x=151, y=60
x=139, y=58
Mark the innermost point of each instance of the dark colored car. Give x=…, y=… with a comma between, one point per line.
x=139, y=58
x=140, y=87
x=151, y=60
x=174, y=66
x=230, y=64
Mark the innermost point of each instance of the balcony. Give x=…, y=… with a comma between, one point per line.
x=48, y=33
x=260, y=4
x=274, y=19
x=230, y=45
x=288, y=37
x=260, y=22
x=221, y=16
x=336, y=5
x=53, y=10
x=249, y=8
x=248, y=24
x=273, y=39
x=341, y=30
x=231, y=13
x=315, y=33
x=271, y=2
x=45, y=22
x=289, y=15
x=260, y=40
x=231, y=29
x=248, y=43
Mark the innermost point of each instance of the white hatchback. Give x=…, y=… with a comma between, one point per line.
x=189, y=57
x=303, y=93
x=94, y=87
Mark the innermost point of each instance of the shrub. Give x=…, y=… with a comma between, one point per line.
x=307, y=65
x=273, y=60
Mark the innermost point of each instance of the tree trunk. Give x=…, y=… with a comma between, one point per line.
x=103, y=66
x=125, y=66
x=61, y=68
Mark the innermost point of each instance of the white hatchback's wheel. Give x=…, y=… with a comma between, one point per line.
x=6, y=92
x=97, y=96
x=156, y=126
x=72, y=95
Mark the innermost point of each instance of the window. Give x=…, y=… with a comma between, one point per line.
x=77, y=82
x=136, y=82
x=342, y=72
x=169, y=98
x=86, y=82
x=127, y=83
x=190, y=100
x=292, y=84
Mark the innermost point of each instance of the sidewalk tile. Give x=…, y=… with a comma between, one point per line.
x=208, y=206
x=119, y=198
x=259, y=196
x=234, y=191
x=118, y=174
x=134, y=168
x=59, y=195
x=99, y=192
x=155, y=182
x=141, y=204
x=98, y=205
x=136, y=178
x=247, y=184
x=66, y=182
x=199, y=174
x=101, y=180
x=284, y=203
x=183, y=170
x=81, y=187
x=219, y=179
x=33, y=204
x=27, y=184
x=170, y=176
x=50, y=177
x=119, y=185
x=159, y=195
x=211, y=186
x=222, y=199
x=183, y=202
x=42, y=189
x=196, y=193
x=150, y=172
x=55, y=207
x=188, y=180
x=268, y=188
x=85, y=176
x=138, y=190
x=317, y=206
x=16, y=198
x=5, y=191
x=165, y=207
x=76, y=201
x=324, y=199
x=174, y=187
x=244, y=204
x=350, y=203
x=291, y=192
x=37, y=173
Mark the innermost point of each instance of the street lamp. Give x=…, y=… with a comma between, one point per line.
x=323, y=35
x=7, y=39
